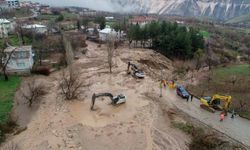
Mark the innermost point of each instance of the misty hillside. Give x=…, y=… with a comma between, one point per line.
x=216, y=9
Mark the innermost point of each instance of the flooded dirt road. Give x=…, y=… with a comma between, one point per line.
x=71, y=125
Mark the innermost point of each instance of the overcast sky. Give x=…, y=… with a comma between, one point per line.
x=94, y=4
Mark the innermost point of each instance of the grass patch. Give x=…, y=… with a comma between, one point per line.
x=67, y=15
x=22, y=12
x=185, y=127
x=242, y=70
x=14, y=41
x=48, y=17
x=245, y=115
x=205, y=34
x=7, y=90
x=110, y=23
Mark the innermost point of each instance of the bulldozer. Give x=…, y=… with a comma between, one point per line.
x=135, y=71
x=216, y=102
x=115, y=100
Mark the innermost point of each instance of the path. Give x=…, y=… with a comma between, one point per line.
x=238, y=128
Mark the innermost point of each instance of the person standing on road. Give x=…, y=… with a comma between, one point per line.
x=192, y=97
x=187, y=98
x=233, y=113
x=222, y=116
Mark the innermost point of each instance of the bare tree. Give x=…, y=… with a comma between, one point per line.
x=33, y=92
x=233, y=79
x=198, y=57
x=208, y=58
x=5, y=58
x=248, y=55
x=110, y=48
x=70, y=84
x=242, y=105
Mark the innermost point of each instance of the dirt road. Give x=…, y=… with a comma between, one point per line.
x=237, y=128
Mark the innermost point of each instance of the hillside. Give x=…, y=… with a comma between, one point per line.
x=240, y=19
x=215, y=9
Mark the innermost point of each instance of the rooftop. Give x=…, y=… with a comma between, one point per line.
x=4, y=21
x=34, y=26
x=106, y=30
x=142, y=19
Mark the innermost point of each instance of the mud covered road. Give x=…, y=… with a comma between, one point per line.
x=237, y=128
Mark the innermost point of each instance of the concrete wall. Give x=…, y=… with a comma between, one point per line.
x=21, y=61
x=5, y=28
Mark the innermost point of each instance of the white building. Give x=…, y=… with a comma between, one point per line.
x=109, y=18
x=21, y=60
x=3, y=5
x=103, y=34
x=13, y=3
x=5, y=28
x=36, y=28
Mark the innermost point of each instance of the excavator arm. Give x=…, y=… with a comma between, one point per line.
x=132, y=66
x=226, y=99
x=94, y=96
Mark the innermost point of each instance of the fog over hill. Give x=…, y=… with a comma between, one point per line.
x=93, y=4
x=216, y=9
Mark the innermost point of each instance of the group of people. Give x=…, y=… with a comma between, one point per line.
x=191, y=97
x=222, y=115
x=170, y=84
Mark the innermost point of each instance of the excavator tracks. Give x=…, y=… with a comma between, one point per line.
x=207, y=108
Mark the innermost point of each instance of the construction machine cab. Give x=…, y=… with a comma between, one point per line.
x=135, y=71
x=218, y=99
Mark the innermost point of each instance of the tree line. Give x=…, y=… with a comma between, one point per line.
x=168, y=38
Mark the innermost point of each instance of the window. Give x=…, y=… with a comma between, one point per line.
x=23, y=54
x=21, y=65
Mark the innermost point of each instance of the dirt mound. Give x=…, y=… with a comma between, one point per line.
x=152, y=63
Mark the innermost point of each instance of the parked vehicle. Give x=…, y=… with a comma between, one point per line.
x=181, y=91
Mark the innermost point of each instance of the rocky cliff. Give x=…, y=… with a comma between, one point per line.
x=216, y=9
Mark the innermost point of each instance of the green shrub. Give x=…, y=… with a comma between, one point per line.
x=2, y=136
x=185, y=127
x=200, y=139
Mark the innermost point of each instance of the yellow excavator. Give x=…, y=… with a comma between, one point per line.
x=216, y=102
